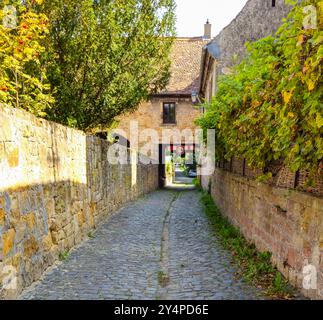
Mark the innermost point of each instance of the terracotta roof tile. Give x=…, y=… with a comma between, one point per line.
x=185, y=70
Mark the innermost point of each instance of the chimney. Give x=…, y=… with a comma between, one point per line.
x=207, y=30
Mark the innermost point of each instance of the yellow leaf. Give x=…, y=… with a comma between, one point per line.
x=287, y=95
x=310, y=85
x=300, y=40
x=320, y=5
x=319, y=121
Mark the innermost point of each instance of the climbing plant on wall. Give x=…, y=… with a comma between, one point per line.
x=271, y=107
x=23, y=81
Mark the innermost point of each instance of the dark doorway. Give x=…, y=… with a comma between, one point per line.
x=162, y=166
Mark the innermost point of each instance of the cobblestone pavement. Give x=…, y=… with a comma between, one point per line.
x=159, y=247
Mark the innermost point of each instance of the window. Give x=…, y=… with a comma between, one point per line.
x=273, y=3
x=169, y=113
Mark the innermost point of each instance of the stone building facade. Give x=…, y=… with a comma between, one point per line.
x=173, y=108
x=257, y=19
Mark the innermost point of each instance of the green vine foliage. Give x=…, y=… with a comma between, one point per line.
x=270, y=108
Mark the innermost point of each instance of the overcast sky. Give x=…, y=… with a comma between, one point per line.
x=192, y=14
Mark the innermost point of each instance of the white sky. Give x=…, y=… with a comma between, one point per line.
x=192, y=14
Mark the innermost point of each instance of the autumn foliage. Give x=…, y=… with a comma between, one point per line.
x=22, y=77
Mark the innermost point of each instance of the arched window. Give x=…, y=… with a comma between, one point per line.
x=273, y=3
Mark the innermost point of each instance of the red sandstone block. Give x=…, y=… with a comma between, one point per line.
x=307, y=249
x=294, y=259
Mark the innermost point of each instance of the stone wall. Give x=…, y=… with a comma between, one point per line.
x=56, y=185
x=285, y=222
x=256, y=20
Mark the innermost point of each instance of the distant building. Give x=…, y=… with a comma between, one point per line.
x=175, y=107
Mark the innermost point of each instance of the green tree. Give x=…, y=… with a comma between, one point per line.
x=105, y=56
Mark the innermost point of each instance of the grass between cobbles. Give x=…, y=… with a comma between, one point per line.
x=254, y=267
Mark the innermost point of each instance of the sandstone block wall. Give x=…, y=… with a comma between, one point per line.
x=285, y=222
x=56, y=185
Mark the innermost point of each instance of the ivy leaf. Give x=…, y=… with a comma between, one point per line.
x=301, y=39
x=287, y=95
x=310, y=85
x=319, y=121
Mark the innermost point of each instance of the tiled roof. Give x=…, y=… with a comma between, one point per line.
x=185, y=70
